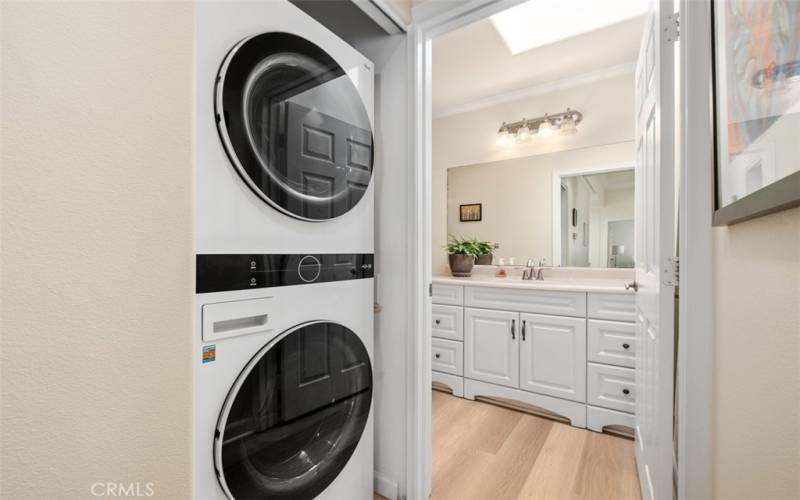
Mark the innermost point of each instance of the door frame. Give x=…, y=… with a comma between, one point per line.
x=695, y=349
x=431, y=19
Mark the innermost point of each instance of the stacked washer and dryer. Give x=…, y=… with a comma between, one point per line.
x=284, y=256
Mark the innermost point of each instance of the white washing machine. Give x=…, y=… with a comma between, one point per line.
x=284, y=241
x=283, y=139
x=283, y=378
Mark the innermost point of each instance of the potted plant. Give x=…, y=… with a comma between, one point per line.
x=461, y=253
x=484, y=250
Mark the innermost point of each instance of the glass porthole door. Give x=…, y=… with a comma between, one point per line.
x=295, y=415
x=294, y=126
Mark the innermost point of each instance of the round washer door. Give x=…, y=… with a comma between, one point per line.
x=295, y=414
x=294, y=126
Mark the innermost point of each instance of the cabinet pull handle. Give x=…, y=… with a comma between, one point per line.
x=626, y=346
x=626, y=391
x=513, y=329
x=523, y=329
x=437, y=357
x=439, y=321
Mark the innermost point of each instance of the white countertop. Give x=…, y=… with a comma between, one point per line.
x=563, y=281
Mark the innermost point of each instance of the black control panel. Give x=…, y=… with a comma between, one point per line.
x=228, y=272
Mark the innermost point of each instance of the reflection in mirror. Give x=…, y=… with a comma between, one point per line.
x=588, y=224
x=596, y=219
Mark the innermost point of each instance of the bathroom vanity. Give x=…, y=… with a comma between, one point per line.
x=566, y=344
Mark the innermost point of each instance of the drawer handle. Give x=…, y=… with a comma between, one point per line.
x=513, y=329
x=437, y=357
x=438, y=321
x=523, y=330
x=626, y=391
x=626, y=346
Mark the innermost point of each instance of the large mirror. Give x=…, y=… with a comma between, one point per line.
x=534, y=208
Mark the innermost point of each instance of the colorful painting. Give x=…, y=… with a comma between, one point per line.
x=757, y=92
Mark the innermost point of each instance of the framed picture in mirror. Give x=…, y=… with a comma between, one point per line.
x=756, y=74
x=471, y=212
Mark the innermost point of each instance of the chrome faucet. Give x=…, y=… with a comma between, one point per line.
x=531, y=272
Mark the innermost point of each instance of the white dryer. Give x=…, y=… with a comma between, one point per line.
x=283, y=378
x=283, y=139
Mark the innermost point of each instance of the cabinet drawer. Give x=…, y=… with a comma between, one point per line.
x=447, y=322
x=452, y=295
x=612, y=342
x=613, y=306
x=608, y=386
x=447, y=356
x=529, y=301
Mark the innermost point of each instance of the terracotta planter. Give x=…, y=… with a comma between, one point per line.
x=484, y=260
x=461, y=265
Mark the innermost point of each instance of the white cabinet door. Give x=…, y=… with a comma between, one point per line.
x=447, y=356
x=612, y=342
x=447, y=294
x=491, y=346
x=553, y=356
x=447, y=322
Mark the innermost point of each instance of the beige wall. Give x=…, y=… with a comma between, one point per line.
x=471, y=138
x=97, y=264
x=756, y=406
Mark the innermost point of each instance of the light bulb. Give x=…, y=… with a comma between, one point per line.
x=545, y=129
x=523, y=133
x=503, y=137
x=568, y=126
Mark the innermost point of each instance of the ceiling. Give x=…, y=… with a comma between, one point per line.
x=473, y=63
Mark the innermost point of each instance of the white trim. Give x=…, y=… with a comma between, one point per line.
x=558, y=174
x=536, y=89
x=385, y=487
x=695, y=322
x=384, y=15
x=418, y=414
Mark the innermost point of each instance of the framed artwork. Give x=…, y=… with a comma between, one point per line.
x=756, y=108
x=470, y=213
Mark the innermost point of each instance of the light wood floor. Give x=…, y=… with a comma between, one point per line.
x=485, y=452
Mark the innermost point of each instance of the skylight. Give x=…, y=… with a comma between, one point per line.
x=536, y=23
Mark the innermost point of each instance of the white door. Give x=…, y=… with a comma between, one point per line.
x=552, y=356
x=655, y=233
x=491, y=346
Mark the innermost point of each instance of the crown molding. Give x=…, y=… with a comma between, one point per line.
x=537, y=89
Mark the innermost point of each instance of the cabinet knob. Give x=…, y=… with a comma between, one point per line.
x=437, y=357
x=626, y=346
x=626, y=391
x=438, y=321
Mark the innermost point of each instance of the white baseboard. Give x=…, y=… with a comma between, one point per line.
x=386, y=487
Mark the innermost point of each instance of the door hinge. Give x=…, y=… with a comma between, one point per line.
x=430, y=289
x=671, y=271
x=672, y=30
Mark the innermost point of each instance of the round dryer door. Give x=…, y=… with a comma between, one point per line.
x=295, y=415
x=294, y=126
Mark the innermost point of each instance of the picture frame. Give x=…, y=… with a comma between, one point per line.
x=472, y=212
x=756, y=89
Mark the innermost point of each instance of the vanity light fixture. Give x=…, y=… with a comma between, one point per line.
x=564, y=123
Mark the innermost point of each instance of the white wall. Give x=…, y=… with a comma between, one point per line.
x=756, y=383
x=471, y=138
x=97, y=259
